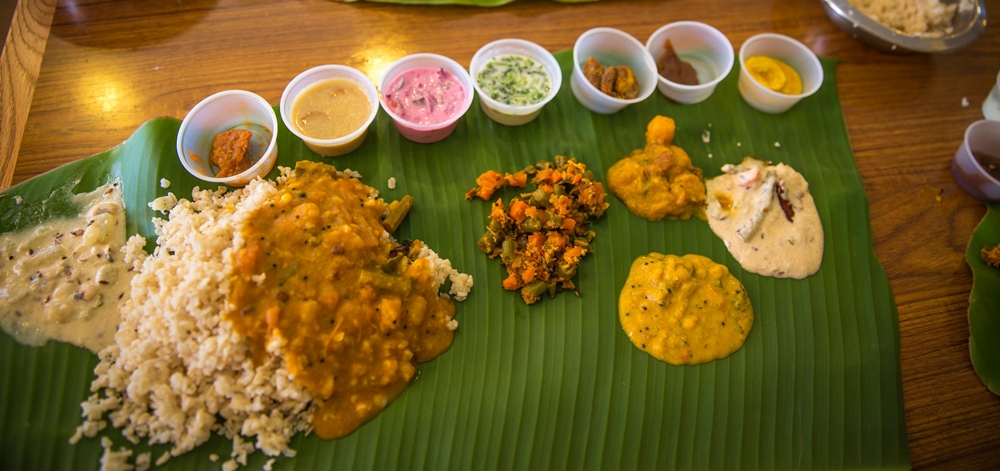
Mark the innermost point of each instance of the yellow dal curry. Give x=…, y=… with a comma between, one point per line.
x=354, y=311
x=684, y=310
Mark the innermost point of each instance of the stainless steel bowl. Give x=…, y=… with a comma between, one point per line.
x=968, y=26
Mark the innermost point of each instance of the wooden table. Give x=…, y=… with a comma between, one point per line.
x=83, y=84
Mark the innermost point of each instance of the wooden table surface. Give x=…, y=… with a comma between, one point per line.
x=78, y=76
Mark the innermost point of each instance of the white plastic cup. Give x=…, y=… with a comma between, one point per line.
x=611, y=47
x=704, y=47
x=991, y=106
x=981, y=137
x=426, y=133
x=789, y=51
x=341, y=145
x=223, y=111
x=507, y=114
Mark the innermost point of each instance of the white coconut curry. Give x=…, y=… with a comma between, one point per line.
x=767, y=218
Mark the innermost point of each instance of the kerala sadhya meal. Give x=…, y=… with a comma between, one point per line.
x=767, y=218
x=278, y=308
x=684, y=310
x=541, y=236
x=658, y=181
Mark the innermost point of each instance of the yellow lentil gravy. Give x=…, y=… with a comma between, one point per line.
x=320, y=281
x=684, y=310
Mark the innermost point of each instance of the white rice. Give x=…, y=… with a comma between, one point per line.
x=930, y=18
x=178, y=372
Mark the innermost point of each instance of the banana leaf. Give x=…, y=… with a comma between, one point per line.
x=557, y=385
x=984, y=301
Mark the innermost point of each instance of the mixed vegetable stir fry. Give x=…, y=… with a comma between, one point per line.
x=541, y=236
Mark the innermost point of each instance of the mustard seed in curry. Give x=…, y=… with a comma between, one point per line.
x=352, y=311
x=658, y=181
x=684, y=310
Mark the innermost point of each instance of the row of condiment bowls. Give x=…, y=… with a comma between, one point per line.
x=705, y=47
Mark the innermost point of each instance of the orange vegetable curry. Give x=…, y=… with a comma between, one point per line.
x=351, y=311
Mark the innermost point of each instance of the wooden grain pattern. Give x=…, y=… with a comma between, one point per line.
x=111, y=65
x=19, y=64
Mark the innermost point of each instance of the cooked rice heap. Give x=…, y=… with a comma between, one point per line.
x=929, y=18
x=177, y=369
x=178, y=372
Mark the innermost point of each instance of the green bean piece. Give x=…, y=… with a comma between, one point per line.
x=397, y=212
x=288, y=273
x=531, y=225
x=539, y=198
x=566, y=270
x=558, y=189
x=378, y=279
x=561, y=161
x=508, y=251
x=488, y=242
x=537, y=288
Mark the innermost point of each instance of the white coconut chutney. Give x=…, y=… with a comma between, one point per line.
x=767, y=218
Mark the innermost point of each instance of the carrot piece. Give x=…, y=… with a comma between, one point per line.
x=510, y=283
x=569, y=224
x=488, y=182
x=537, y=239
x=573, y=254
x=517, y=209
x=518, y=179
x=497, y=211
x=528, y=275
x=556, y=240
x=556, y=177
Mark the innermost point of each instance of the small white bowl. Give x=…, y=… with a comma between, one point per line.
x=223, y=111
x=508, y=114
x=341, y=145
x=426, y=133
x=704, y=47
x=981, y=137
x=611, y=47
x=789, y=51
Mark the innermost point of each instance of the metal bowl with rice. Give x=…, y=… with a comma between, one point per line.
x=967, y=25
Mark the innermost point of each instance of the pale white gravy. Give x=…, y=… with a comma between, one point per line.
x=65, y=278
x=755, y=228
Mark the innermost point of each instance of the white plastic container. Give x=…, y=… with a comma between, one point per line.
x=511, y=115
x=611, y=47
x=704, y=47
x=341, y=145
x=991, y=106
x=426, y=133
x=223, y=111
x=983, y=138
x=789, y=51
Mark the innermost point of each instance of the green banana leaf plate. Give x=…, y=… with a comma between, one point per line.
x=555, y=385
x=984, y=301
